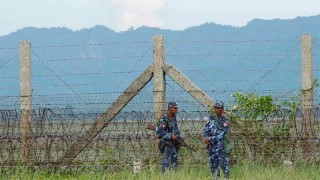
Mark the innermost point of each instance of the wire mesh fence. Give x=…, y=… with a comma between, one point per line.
x=71, y=89
x=126, y=138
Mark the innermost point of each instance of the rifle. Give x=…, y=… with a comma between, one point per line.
x=180, y=140
x=151, y=127
x=183, y=143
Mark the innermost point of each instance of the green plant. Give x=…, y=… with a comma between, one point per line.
x=266, y=120
x=109, y=161
x=253, y=110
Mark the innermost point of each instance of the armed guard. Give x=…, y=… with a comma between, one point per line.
x=168, y=131
x=214, y=134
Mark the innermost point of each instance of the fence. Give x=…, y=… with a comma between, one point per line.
x=67, y=97
x=126, y=139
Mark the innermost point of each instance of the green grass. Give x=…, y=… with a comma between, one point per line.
x=244, y=171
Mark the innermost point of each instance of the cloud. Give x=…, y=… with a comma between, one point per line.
x=136, y=13
x=122, y=14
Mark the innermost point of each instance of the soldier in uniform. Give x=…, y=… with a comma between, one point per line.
x=167, y=130
x=214, y=134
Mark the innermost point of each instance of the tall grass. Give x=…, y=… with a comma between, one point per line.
x=239, y=171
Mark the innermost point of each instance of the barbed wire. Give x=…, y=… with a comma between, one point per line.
x=93, y=58
x=185, y=101
x=274, y=67
x=168, y=55
x=239, y=70
x=126, y=139
x=232, y=55
x=127, y=116
x=286, y=94
x=132, y=67
x=51, y=103
x=169, y=91
x=90, y=44
x=243, y=80
x=86, y=74
x=3, y=99
x=315, y=43
x=8, y=48
x=55, y=130
x=130, y=72
x=58, y=77
x=7, y=61
x=178, y=91
x=236, y=41
x=60, y=99
x=187, y=60
x=183, y=98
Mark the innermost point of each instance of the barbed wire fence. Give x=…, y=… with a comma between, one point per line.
x=70, y=91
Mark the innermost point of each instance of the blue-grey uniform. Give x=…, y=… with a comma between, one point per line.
x=165, y=129
x=216, y=129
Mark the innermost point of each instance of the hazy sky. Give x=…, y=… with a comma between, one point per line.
x=123, y=14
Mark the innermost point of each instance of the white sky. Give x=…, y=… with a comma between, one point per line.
x=120, y=15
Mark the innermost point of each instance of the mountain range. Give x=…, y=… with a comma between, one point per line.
x=94, y=65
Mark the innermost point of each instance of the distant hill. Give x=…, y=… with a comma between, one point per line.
x=216, y=57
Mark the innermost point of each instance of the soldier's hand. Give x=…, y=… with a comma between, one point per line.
x=227, y=123
x=174, y=137
x=206, y=140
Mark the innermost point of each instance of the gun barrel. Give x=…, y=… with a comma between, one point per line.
x=182, y=142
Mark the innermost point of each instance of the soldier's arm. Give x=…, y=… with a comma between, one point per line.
x=161, y=132
x=206, y=132
x=213, y=139
x=220, y=136
x=207, y=127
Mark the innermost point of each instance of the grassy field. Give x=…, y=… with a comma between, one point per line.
x=243, y=171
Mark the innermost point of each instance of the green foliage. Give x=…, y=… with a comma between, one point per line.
x=254, y=111
x=252, y=106
x=267, y=121
x=289, y=109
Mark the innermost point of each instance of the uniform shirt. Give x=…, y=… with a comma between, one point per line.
x=167, y=127
x=216, y=130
